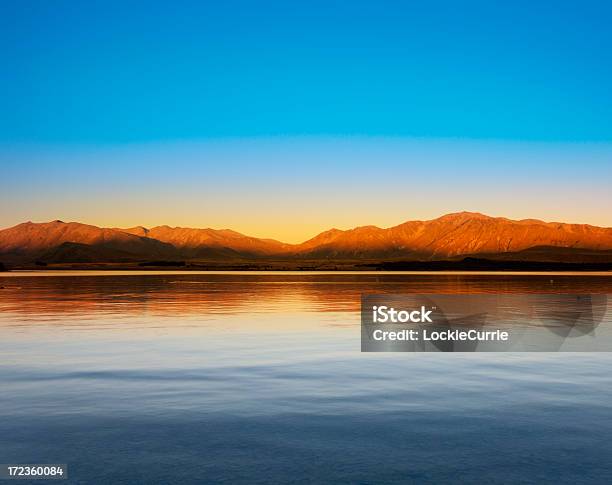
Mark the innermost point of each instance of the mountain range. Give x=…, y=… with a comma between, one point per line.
x=448, y=237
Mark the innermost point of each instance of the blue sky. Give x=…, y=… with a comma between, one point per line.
x=106, y=72
x=274, y=118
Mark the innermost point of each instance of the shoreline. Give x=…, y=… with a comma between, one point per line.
x=438, y=267
x=158, y=272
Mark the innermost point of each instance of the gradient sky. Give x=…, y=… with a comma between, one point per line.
x=282, y=119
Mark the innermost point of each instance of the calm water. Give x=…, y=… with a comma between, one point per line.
x=258, y=378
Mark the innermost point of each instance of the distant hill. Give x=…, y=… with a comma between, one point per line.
x=452, y=235
x=449, y=237
x=65, y=242
x=195, y=243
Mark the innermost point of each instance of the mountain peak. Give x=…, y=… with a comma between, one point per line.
x=464, y=215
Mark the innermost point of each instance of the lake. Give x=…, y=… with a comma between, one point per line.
x=193, y=377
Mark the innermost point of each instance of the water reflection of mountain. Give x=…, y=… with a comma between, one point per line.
x=194, y=294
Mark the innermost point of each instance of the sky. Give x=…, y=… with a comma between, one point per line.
x=284, y=119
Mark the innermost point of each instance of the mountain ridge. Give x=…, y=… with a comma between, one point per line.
x=448, y=236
